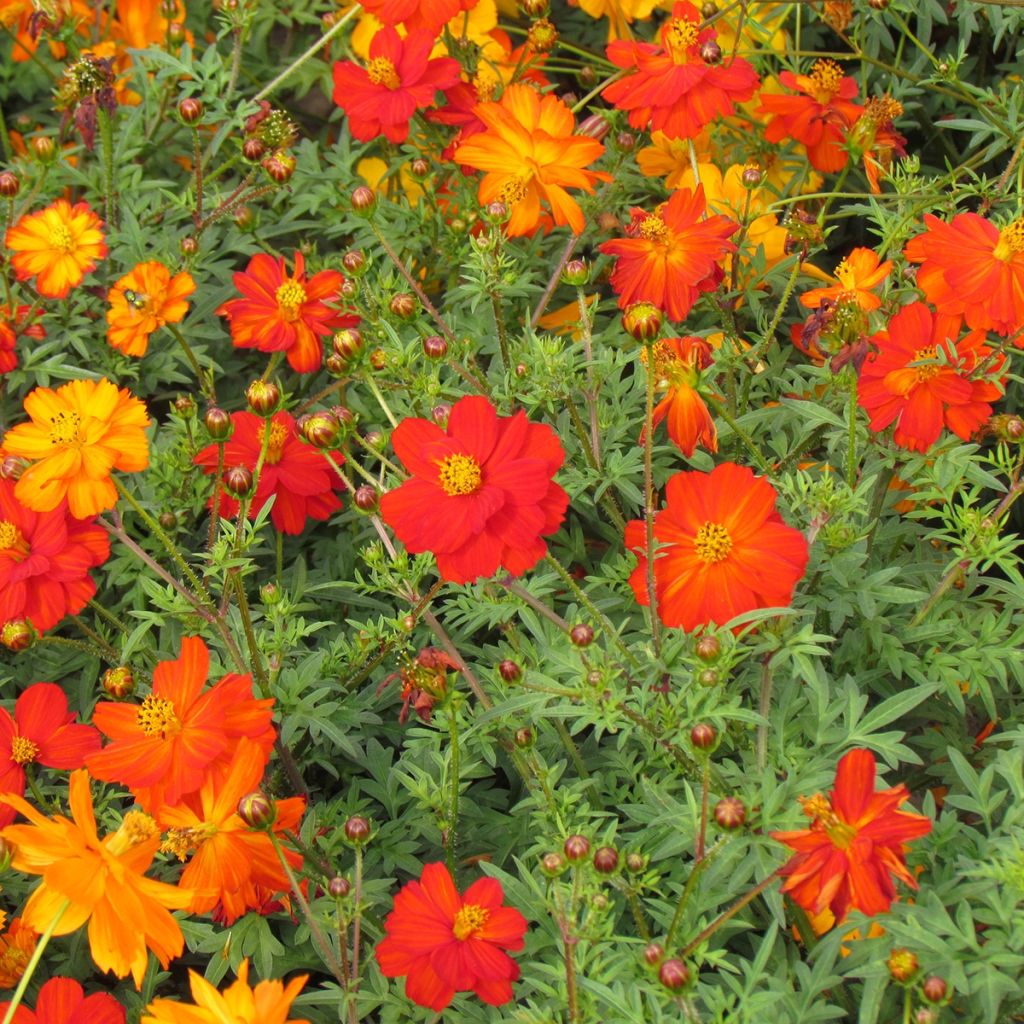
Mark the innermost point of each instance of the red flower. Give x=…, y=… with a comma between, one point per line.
x=41, y=731
x=399, y=80
x=63, y=1001
x=11, y=329
x=429, y=15
x=445, y=943
x=481, y=494
x=723, y=550
x=45, y=558
x=673, y=256
x=680, y=84
x=677, y=366
x=278, y=313
x=820, y=117
x=299, y=479
x=856, y=841
x=906, y=381
x=973, y=269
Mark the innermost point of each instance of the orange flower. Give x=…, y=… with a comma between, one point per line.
x=166, y=747
x=855, y=279
x=620, y=14
x=16, y=946
x=677, y=366
x=268, y=1003
x=78, y=435
x=877, y=138
x=101, y=881
x=530, y=155
x=856, y=841
x=144, y=300
x=14, y=325
x=58, y=246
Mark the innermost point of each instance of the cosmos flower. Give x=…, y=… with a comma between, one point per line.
x=144, y=300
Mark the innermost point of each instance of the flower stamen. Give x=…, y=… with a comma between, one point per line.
x=290, y=297
x=713, y=542
x=157, y=717
x=459, y=474
x=469, y=920
x=23, y=750
x=382, y=72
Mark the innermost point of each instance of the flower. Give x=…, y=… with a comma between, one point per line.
x=677, y=366
x=13, y=326
x=78, y=435
x=971, y=268
x=723, y=550
x=530, y=155
x=856, y=841
x=180, y=735
x=58, y=246
x=42, y=731
x=278, y=313
x=16, y=947
x=673, y=254
x=443, y=943
x=877, y=138
x=299, y=479
x=681, y=83
x=144, y=300
x=45, y=558
x=819, y=117
x=481, y=493
x=620, y=14
x=269, y=1002
x=101, y=881
x=855, y=279
x=424, y=682
x=921, y=378
x=400, y=79
x=63, y=1001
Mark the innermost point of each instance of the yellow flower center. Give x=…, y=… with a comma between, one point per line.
x=713, y=543
x=23, y=750
x=825, y=78
x=820, y=809
x=382, y=72
x=13, y=962
x=881, y=110
x=459, y=474
x=929, y=367
x=469, y=920
x=60, y=238
x=157, y=717
x=669, y=370
x=654, y=229
x=679, y=36
x=484, y=82
x=11, y=540
x=66, y=429
x=136, y=828
x=182, y=841
x=1011, y=241
x=513, y=191
x=275, y=446
x=290, y=297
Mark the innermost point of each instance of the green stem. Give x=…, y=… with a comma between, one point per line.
x=696, y=871
x=453, y=769
x=702, y=828
x=851, y=445
x=747, y=441
x=727, y=915
x=499, y=323
x=204, y=380
x=372, y=385
x=107, y=142
x=764, y=706
x=30, y=967
x=650, y=498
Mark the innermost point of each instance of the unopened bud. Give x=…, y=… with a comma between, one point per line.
x=43, y=148
x=403, y=305
x=935, y=989
x=238, y=481
x=552, y=864
x=347, y=343
x=902, y=964
x=606, y=859
x=525, y=737
x=339, y=887
x=576, y=848
x=218, y=423
x=253, y=150
x=709, y=677
x=364, y=200
x=752, y=176
x=581, y=635
x=594, y=127
x=575, y=273
x=320, y=429
x=17, y=635
x=244, y=217
x=270, y=594
x=509, y=670
x=11, y=467
x=366, y=498
x=263, y=396
x=878, y=5
x=533, y=8
x=419, y=168
x=185, y=405
x=674, y=975
x=176, y=33
x=708, y=648
x=495, y=212
x=168, y=520
x=9, y=185
x=357, y=829
x=439, y=414
x=653, y=954
x=730, y=813
x=703, y=736
x=625, y=142
x=642, y=321
x=189, y=245
x=435, y=347
x=256, y=809
x=190, y=110
x=710, y=52
x=635, y=862
x=378, y=359
x=280, y=166
x=354, y=261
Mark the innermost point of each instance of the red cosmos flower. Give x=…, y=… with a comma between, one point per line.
x=920, y=377
x=11, y=329
x=673, y=256
x=399, y=80
x=973, y=269
x=819, y=118
x=856, y=841
x=445, y=943
x=42, y=731
x=166, y=747
x=299, y=479
x=677, y=366
x=481, y=493
x=45, y=558
x=63, y=1001
x=723, y=550
x=426, y=15
x=681, y=83
x=278, y=313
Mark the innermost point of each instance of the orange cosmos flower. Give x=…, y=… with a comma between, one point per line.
x=620, y=14
x=16, y=947
x=673, y=254
x=166, y=747
x=530, y=155
x=269, y=1002
x=855, y=279
x=877, y=138
x=58, y=246
x=445, y=943
x=144, y=300
x=278, y=313
x=79, y=434
x=856, y=842
x=973, y=269
x=723, y=550
x=677, y=366
x=100, y=881
x=13, y=326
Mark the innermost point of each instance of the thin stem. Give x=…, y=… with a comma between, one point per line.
x=535, y=603
x=357, y=920
x=372, y=385
x=591, y=393
x=453, y=769
x=30, y=967
x=851, y=440
x=197, y=168
x=650, y=497
x=549, y=288
x=727, y=915
x=607, y=501
x=204, y=380
x=747, y=441
x=764, y=706
x=499, y=323
x=702, y=829
x=107, y=142
x=696, y=871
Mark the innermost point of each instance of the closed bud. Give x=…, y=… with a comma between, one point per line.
x=674, y=975
x=17, y=635
x=1006, y=427
x=378, y=359
x=902, y=964
x=710, y=52
x=347, y=343
x=439, y=414
x=635, y=862
x=709, y=677
x=354, y=261
x=176, y=33
x=190, y=110
x=263, y=396
x=253, y=150
x=339, y=887
x=244, y=217
x=935, y=989
x=335, y=365
x=320, y=429
x=280, y=166
x=587, y=77
x=366, y=498
x=533, y=8
x=43, y=148
x=218, y=423
x=708, y=10
x=575, y=273
x=625, y=142
x=185, y=405
x=374, y=439
x=703, y=736
x=525, y=737
x=256, y=809
x=923, y=1014
x=419, y=168
x=581, y=635
x=495, y=212
x=409, y=623
x=642, y=321
x=521, y=369
x=349, y=288
x=878, y=5
x=435, y=347
x=11, y=467
x=509, y=670
x=238, y=481
x=708, y=648
x=364, y=200
x=576, y=848
x=653, y=954
x=403, y=305
x=599, y=901
x=553, y=864
x=594, y=127
x=606, y=859
x=730, y=813
x=751, y=176
x=9, y=185
x=357, y=830
x=168, y=520
x=189, y=245
x=118, y=682
x=270, y=594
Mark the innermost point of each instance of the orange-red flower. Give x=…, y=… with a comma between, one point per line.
x=99, y=881
x=722, y=549
x=278, y=313
x=12, y=327
x=921, y=378
x=429, y=15
x=400, y=79
x=45, y=558
x=144, y=300
x=482, y=493
x=972, y=268
x=677, y=366
x=855, y=279
x=856, y=843
x=530, y=156
x=673, y=254
x=57, y=246
x=443, y=943
x=820, y=116
x=180, y=735
x=681, y=83
x=301, y=481
x=877, y=138
x=16, y=947
x=77, y=436
x=63, y=1001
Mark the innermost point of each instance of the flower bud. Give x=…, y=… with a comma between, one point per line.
x=374, y=439
x=176, y=33
x=710, y=52
x=168, y=520
x=642, y=321
x=524, y=738
x=244, y=218
x=935, y=989
x=509, y=670
x=357, y=830
x=923, y=1014
x=594, y=127
x=9, y=185
x=878, y=5
x=495, y=212
x=263, y=396
x=190, y=110
x=576, y=273
x=576, y=848
x=709, y=677
x=270, y=594
x=606, y=859
x=751, y=176
x=118, y=682
x=238, y=481
x=552, y=864
x=730, y=812
x=339, y=887
x=439, y=414
x=347, y=343
x=218, y=423
x=521, y=369
x=409, y=623
x=708, y=647
x=256, y=809
x=625, y=142
x=419, y=168
x=185, y=405
x=320, y=429
x=653, y=954
x=708, y=10
x=253, y=150
x=364, y=200
x=543, y=36
x=354, y=261
x=703, y=736
x=43, y=148
x=533, y=8
x=902, y=964
x=189, y=245
x=11, y=467
x=635, y=862
x=435, y=347
x=280, y=166
x=17, y=635
x=366, y=498
x=335, y=365
x=674, y=975
x=1006, y=427
x=403, y=305
x=582, y=635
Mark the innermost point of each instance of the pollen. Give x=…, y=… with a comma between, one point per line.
x=713, y=543
x=459, y=474
x=60, y=238
x=680, y=35
x=66, y=428
x=654, y=229
x=182, y=841
x=825, y=77
x=513, y=191
x=1011, y=241
x=290, y=297
x=880, y=110
x=23, y=750
x=157, y=717
x=11, y=539
x=928, y=367
x=275, y=446
x=136, y=828
x=839, y=832
x=469, y=920
x=382, y=72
